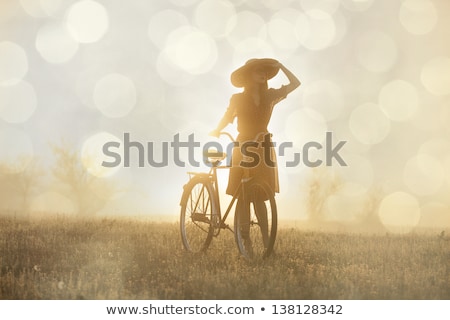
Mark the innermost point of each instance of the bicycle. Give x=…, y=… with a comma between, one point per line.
x=255, y=219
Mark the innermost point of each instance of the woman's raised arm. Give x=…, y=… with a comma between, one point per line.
x=293, y=80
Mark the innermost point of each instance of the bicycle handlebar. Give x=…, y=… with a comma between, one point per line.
x=224, y=133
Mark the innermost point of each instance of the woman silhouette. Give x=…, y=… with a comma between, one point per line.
x=253, y=109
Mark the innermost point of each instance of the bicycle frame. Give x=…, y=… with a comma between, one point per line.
x=212, y=174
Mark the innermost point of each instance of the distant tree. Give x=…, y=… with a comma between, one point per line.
x=5, y=190
x=322, y=183
x=88, y=192
x=18, y=182
x=369, y=215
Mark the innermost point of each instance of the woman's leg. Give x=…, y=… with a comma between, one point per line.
x=243, y=212
x=261, y=214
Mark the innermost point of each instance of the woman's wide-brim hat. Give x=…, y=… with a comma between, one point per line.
x=241, y=76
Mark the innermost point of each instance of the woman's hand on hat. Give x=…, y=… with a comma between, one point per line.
x=278, y=64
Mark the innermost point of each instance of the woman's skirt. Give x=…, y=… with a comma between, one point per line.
x=251, y=159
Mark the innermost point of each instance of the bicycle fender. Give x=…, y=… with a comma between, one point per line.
x=199, y=177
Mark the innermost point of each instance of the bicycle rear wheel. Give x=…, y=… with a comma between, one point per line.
x=198, y=214
x=255, y=220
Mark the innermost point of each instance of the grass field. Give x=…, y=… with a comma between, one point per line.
x=60, y=258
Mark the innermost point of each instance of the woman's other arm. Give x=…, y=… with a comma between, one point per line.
x=227, y=118
x=294, y=83
x=222, y=124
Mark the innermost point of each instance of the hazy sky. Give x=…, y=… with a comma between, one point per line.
x=374, y=73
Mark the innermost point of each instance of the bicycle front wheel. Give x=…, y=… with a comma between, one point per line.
x=255, y=220
x=198, y=214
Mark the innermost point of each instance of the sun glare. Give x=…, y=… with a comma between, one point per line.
x=92, y=154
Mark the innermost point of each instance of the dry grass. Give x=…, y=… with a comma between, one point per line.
x=61, y=258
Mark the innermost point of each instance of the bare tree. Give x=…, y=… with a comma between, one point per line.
x=369, y=217
x=322, y=183
x=88, y=192
x=18, y=182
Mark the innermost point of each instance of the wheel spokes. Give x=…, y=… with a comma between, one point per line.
x=196, y=216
